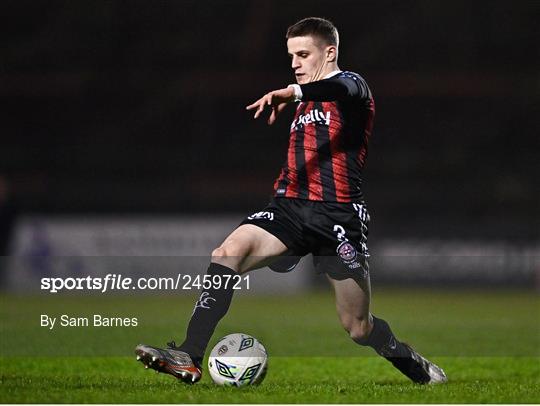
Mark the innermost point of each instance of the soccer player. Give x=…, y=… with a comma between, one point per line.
x=318, y=207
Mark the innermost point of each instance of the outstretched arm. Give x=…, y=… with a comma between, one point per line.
x=340, y=87
x=336, y=88
x=276, y=100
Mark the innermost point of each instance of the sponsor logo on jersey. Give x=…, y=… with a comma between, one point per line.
x=267, y=215
x=313, y=116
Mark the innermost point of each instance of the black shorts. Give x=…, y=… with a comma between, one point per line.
x=335, y=233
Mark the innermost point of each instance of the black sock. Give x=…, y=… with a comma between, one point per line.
x=210, y=308
x=383, y=341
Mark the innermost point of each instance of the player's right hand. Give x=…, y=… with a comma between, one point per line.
x=276, y=100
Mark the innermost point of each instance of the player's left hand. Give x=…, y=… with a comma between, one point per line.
x=276, y=100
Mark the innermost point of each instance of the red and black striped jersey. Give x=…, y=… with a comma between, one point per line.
x=328, y=141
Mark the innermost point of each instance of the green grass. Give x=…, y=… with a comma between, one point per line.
x=290, y=380
x=488, y=342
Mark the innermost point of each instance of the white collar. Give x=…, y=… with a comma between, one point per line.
x=333, y=73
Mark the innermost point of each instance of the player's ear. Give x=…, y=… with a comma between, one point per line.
x=331, y=53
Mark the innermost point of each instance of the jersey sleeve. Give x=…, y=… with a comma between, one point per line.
x=340, y=87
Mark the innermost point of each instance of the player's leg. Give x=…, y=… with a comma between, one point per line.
x=246, y=248
x=343, y=256
x=352, y=303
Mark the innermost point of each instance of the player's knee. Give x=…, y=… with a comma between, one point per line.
x=218, y=253
x=231, y=255
x=360, y=329
x=228, y=251
x=223, y=256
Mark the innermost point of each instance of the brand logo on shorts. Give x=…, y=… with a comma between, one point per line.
x=346, y=252
x=266, y=215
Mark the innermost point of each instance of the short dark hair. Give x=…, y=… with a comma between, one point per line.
x=316, y=27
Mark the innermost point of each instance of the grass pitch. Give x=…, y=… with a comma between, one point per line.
x=487, y=342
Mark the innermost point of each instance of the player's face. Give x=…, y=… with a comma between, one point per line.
x=309, y=59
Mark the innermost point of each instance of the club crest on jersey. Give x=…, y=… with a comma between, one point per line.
x=267, y=215
x=313, y=116
x=346, y=252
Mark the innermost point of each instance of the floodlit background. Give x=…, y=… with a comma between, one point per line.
x=125, y=149
x=124, y=130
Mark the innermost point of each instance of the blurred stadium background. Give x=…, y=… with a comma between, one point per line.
x=124, y=131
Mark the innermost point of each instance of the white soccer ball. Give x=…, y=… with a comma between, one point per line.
x=238, y=360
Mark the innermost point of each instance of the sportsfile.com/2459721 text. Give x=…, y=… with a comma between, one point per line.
x=117, y=282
